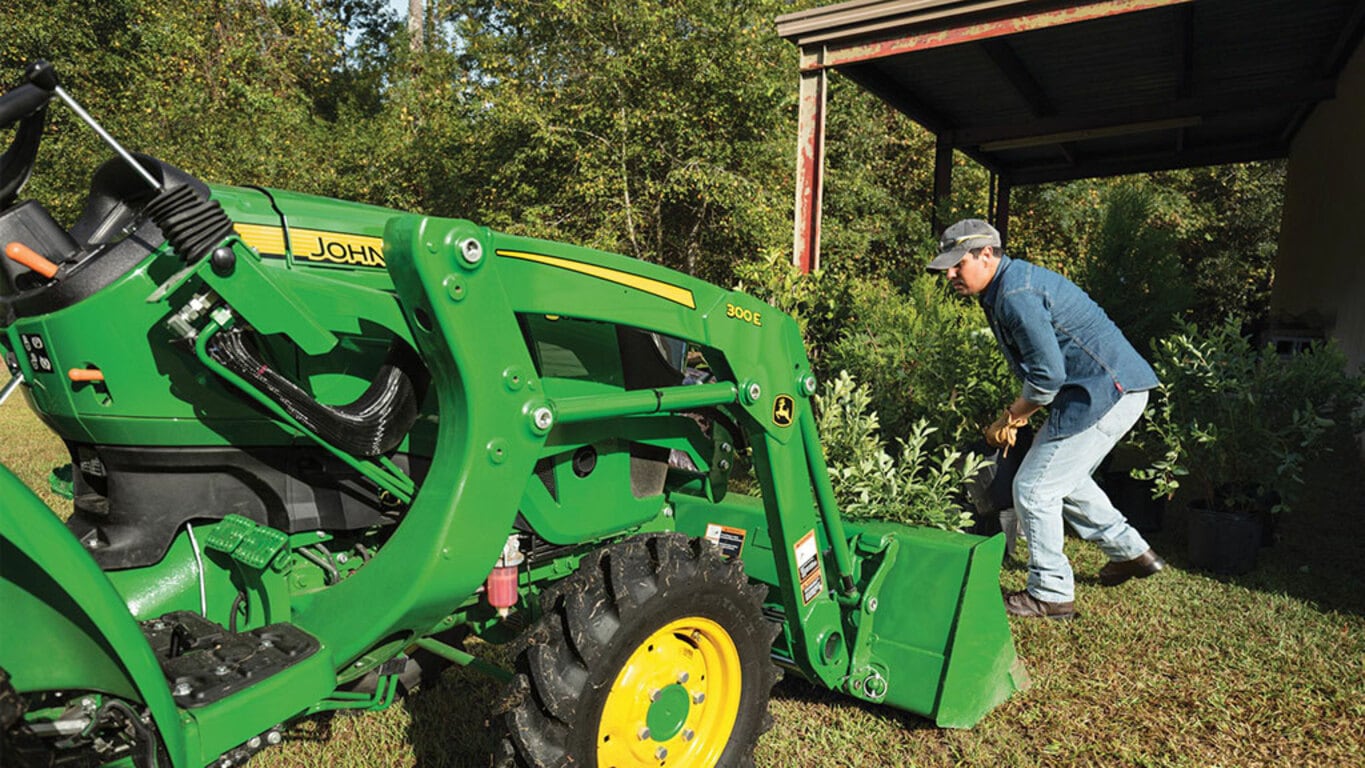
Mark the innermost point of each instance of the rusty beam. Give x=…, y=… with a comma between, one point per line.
x=1015, y=71
x=901, y=40
x=1194, y=107
x=875, y=82
x=810, y=169
x=1147, y=162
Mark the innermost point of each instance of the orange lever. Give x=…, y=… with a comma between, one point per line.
x=31, y=259
x=85, y=374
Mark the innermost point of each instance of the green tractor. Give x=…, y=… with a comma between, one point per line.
x=316, y=445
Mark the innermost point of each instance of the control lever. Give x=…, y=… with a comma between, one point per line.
x=30, y=258
x=41, y=74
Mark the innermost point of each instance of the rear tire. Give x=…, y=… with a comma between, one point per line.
x=655, y=652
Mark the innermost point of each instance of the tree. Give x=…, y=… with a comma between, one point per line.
x=655, y=130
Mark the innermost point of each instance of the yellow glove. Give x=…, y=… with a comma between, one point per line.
x=1001, y=432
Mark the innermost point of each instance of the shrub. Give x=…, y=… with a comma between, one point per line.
x=1133, y=270
x=818, y=301
x=925, y=356
x=1240, y=423
x=922, y=353
x=920, y=486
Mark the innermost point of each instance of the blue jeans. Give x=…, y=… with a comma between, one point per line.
x=1054, y=484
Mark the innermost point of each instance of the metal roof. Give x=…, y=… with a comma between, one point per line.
x=1047, y=91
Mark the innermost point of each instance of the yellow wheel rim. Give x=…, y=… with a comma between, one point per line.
x=674, y=702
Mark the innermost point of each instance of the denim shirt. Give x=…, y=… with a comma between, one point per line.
x=1060, y=343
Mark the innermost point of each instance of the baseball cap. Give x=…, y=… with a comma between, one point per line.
x=964, y=236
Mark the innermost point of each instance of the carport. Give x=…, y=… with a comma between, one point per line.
x=1039, y=91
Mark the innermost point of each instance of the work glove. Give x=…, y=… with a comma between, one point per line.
x=1001, y=433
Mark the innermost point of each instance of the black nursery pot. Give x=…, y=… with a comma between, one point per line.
x=1223, y=542
x=1133, y=498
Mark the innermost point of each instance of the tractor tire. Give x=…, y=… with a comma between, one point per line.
x=654, y=652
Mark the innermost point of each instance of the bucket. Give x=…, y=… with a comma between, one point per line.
x=1223, y=542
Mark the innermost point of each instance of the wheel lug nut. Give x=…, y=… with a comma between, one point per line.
x=660, y=753
x=698, y=698
x=682, y=678
x=644, y=734
x=688, y=734
x=654, y=695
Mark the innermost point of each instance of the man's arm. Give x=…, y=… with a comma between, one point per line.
x=1029, y=323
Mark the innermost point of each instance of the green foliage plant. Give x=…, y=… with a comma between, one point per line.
x=926, y=355
x=922, y=353
x=1240, y=423
x=819, y=301
x=920, y=485
x=1132, y=269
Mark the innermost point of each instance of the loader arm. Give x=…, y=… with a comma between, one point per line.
x=764, y=374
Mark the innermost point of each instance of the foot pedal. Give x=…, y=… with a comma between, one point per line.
x=204, y=663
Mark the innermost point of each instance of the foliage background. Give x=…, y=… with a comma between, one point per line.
x=664, y=131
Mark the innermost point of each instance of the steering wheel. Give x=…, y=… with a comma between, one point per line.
x=26, y=105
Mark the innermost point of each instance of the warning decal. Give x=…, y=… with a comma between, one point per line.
x=36, y=351
x=730, y=540
x=808, y=567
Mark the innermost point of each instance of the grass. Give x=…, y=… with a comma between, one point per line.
x=1183, y=669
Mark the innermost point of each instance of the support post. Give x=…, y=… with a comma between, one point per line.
x=810, y=166
x=1002, y=210
x=943, y=183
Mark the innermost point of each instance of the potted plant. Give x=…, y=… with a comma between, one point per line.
x=1120, y=475
x=1235, y=426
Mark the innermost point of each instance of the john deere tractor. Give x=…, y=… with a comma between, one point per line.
x=316, y=445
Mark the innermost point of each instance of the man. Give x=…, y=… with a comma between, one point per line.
x=1070, y=357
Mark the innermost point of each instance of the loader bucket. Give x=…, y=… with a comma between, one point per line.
x=932, y=635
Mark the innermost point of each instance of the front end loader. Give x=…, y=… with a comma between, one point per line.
x=315, y=445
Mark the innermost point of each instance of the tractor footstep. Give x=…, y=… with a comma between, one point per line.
x=204, y=663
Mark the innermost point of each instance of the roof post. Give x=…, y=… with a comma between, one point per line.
x=1002, y=210
x=810, y=165
x=943, y=183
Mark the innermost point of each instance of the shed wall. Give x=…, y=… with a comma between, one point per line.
x=1319, y=267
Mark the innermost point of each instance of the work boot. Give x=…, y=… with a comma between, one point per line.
x=1023, y=604
x=1142, y=566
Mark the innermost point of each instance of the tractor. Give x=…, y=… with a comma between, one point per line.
x=315, y=446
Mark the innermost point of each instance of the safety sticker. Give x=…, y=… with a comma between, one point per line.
x=808, y=567
x=730, y=540
x=36, y=351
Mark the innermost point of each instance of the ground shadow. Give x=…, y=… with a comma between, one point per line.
x=1312, y=552
x=796, y=689
x=452, y=718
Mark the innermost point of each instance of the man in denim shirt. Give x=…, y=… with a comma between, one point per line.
x=1070, y=357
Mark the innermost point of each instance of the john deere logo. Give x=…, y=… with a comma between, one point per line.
x=784, y=410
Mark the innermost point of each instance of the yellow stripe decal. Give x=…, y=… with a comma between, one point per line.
x=265, y=239
x=653, y=287
x=316, y=245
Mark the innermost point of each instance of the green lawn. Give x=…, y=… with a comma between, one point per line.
x=1183, y=669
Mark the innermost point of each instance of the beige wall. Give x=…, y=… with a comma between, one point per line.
x=1320, y=267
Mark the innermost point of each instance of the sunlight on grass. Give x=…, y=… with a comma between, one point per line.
x=31, y=450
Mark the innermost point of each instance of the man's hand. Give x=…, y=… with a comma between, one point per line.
x=1001, y=433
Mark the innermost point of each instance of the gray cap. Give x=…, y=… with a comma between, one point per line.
x=966, y=235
